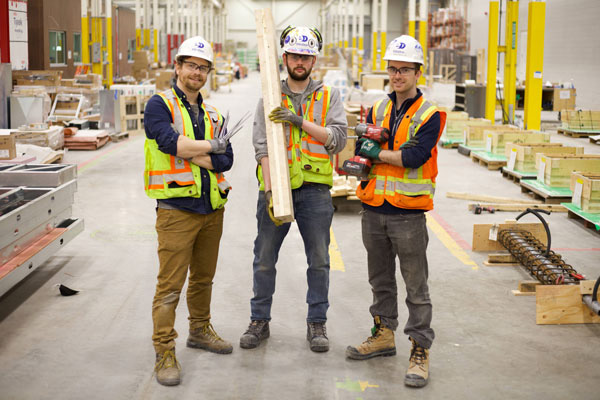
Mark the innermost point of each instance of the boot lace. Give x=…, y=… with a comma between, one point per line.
x=168, y=360
x=255, y=327
x=317, y=329
x=209, y=331
x=417, y=354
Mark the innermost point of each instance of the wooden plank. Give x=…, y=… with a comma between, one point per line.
x=481, y=233
x=488, y=199
x=501, y=258
x=283, y=208
x=562, y=304
x=520, y=207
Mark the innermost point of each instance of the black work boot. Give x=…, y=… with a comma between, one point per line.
x=316, y=334
x=257, y=331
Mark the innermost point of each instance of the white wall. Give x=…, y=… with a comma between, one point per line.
x=571, y=43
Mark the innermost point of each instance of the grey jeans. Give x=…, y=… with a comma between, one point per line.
x=405, y=236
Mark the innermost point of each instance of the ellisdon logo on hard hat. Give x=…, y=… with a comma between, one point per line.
x=401, y=45
x=199, y=45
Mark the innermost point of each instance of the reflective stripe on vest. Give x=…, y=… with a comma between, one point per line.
x=391, y=181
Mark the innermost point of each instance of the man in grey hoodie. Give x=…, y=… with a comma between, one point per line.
x=315, y=125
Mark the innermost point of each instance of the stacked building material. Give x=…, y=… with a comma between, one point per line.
x=87, y=139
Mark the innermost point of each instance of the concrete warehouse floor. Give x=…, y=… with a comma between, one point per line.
x=97, y=345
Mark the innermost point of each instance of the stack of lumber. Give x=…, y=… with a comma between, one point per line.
x=587, y=196
x=344, y=185
x=525, y=153
x=474, y=137
x=41, y=135
x=555, y=170
x=87, y=139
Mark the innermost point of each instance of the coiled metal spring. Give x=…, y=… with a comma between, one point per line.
x=549, y=269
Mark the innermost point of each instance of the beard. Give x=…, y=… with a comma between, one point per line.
x=299, y=77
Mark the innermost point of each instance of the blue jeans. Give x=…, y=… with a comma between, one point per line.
x=313, y=212
x=387, y=237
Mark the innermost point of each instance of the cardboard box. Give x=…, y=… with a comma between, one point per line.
x=374, y=82
x=8, y=149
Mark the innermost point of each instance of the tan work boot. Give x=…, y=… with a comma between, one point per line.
x=417, y=374
x=380, y=344
x=206, y=338
x=167, y=368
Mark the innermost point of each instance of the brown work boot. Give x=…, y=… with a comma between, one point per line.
x=380, y=344
x=417, y=374
x=206, y=338
x=167, y=368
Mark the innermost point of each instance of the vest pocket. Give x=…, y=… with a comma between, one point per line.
x=367, y=192
x=411, y=202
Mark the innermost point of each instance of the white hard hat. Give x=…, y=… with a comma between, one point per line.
x=301, y=40
x=196, y=47
x=404, y=48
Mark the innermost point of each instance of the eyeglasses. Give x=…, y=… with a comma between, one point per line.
x=195, y=67
x=403, y=71
x=299, y=57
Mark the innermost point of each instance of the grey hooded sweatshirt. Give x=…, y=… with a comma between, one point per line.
x=336, y=123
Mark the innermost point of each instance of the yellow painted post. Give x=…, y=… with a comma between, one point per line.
x=146, y=38
x=490, y=90
x=97, y=40
x=510, y=57
x=374, y=45
x=535, y=65
x=382, y=65
x=85, y=40
x=423, y=41
x=155, y=45
x=361, y=49
x=411, y=28
x=109, y=51
x=138, y=39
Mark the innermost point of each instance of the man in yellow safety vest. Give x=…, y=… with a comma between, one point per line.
x=185, y=159
x=315, y=126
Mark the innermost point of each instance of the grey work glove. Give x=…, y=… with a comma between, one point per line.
x=218, y=145
x=412, y=142
x=281, y=114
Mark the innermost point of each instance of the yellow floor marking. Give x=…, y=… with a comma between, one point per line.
x=365, y=384
x=450, y=243
x=335, y=256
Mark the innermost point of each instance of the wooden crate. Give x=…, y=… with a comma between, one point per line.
x=558, y=168
x=497, y=140
x=36, y=78
x=456, y=122
x=581, y=119
x=473, y=134
x=526, y=153
x=590, y=190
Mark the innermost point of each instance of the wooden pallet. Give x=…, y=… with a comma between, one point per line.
x=577, y=133
x=450, y=143
x=118, y=136
x=589, y=220
x=541, y=191
x=491, y=161
x=516, y=176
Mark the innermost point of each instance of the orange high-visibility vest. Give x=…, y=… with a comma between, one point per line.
x=408, y=188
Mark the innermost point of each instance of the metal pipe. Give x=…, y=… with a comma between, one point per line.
x=594, y=306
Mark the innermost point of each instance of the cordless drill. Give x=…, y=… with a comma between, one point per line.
x=360, y=166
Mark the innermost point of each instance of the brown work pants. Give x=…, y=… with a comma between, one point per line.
x=185, y=240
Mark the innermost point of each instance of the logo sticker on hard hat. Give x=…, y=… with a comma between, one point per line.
x=401, y=45
x=199, y=45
